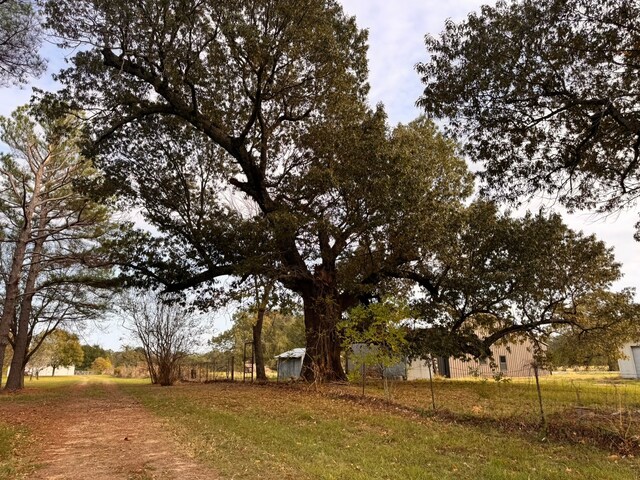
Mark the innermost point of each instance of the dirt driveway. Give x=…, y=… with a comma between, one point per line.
x=98, y=432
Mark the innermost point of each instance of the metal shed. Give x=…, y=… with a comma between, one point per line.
x=630, y=364
x=290, y=363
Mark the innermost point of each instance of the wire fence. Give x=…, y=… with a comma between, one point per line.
x=517, y=388
x=588, y=407
x=591, y=407
x=228, y=369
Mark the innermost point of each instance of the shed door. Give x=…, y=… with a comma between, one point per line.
x=635, y=353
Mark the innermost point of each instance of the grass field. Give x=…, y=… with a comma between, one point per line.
x=517, y=397
x=294, y=431
x=595, y=408
x=9, y=438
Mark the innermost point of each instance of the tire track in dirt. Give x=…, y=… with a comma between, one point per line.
x=98, y=432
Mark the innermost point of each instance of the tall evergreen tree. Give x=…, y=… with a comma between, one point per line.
x=52, y=230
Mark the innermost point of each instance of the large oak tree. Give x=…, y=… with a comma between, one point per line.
x=264, y=99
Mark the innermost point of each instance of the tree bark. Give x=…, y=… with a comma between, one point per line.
x=11, y=299
x=12, y=288
x=261, y=375
x=262, y=300
x=15, y=381
x=322, y=313
x=166, y=373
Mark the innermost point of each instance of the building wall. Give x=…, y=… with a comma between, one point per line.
x=628, y=365
x=60, y=371
x=419, y=370
x=289, y=368
x=518, y=356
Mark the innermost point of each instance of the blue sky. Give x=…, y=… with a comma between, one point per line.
x=396, y=39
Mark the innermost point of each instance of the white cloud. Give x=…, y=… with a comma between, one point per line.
x=396, y=44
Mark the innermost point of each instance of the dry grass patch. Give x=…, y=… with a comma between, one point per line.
x=597, y=409
x=15, y=445
x=281, y=432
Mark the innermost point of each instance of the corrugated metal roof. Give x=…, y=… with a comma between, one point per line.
x=295, y=353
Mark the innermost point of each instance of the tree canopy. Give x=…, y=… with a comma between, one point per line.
x=545, y=94
x=241, y=131
x=90, y=353
x=20, y=32
x=60, y=349
x=499, y=276
x=101, y=366
x=607, y=321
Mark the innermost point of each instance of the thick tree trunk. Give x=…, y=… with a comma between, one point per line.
x=12, y=292
x=321, y=315
x=166, y=374
x=15, y=381
x=12, y=289
x=258, y=349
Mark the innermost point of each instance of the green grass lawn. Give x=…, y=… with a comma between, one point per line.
x=272, y=432
x=295, y=432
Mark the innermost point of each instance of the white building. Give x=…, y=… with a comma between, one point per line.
x=630, y=365
x=61, y=371
x=47, y=371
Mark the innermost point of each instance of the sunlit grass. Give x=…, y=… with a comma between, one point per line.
x=284, y=432
x=41, y=389
x=49, y=388
x=517, y=397
x=271, y=432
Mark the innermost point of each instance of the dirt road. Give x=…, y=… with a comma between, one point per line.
x=98, y=432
